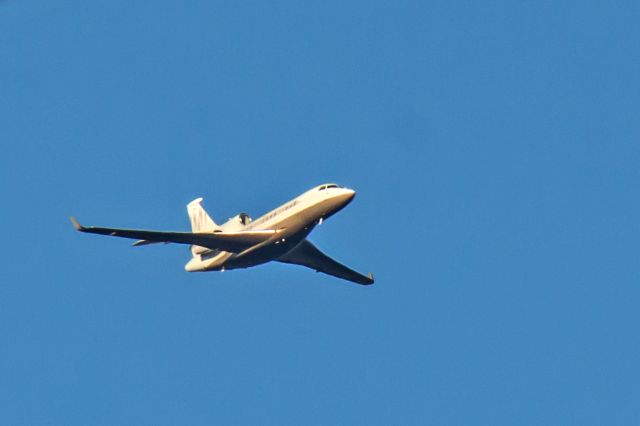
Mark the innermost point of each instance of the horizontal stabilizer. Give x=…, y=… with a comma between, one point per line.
x=147, y=242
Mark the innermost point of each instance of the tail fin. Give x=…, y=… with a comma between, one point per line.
x=200, y=220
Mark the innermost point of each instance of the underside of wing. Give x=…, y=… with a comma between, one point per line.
x=234, y=242
x=306, y=254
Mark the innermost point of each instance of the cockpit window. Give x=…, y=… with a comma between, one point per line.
x=332, y=185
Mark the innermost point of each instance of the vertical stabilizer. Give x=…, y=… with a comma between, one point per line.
x=200, y=220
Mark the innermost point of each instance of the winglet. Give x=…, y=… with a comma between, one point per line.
x=76, y=224
x=370, y=276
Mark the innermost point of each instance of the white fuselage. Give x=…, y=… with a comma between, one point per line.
x=295, y=218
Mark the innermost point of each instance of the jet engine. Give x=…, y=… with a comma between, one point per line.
x=237, y=222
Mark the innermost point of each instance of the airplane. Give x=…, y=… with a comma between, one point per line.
x=280, y=235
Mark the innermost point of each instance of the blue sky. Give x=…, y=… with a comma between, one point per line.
x=494, y=148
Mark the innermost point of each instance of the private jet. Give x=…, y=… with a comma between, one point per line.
x=280, y=235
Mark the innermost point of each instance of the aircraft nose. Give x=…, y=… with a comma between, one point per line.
x=346, y=196
x=351, y=193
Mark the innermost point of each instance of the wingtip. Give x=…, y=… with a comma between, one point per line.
x=371, y=279
x=76, y=224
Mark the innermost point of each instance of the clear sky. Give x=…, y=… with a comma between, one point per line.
x=495, y=150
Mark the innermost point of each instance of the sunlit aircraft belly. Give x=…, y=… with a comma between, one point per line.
x=296, y=226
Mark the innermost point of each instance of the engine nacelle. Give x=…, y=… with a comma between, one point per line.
x=237, y=222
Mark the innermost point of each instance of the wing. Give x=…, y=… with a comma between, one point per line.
x=233, y=242
x=306, y=254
